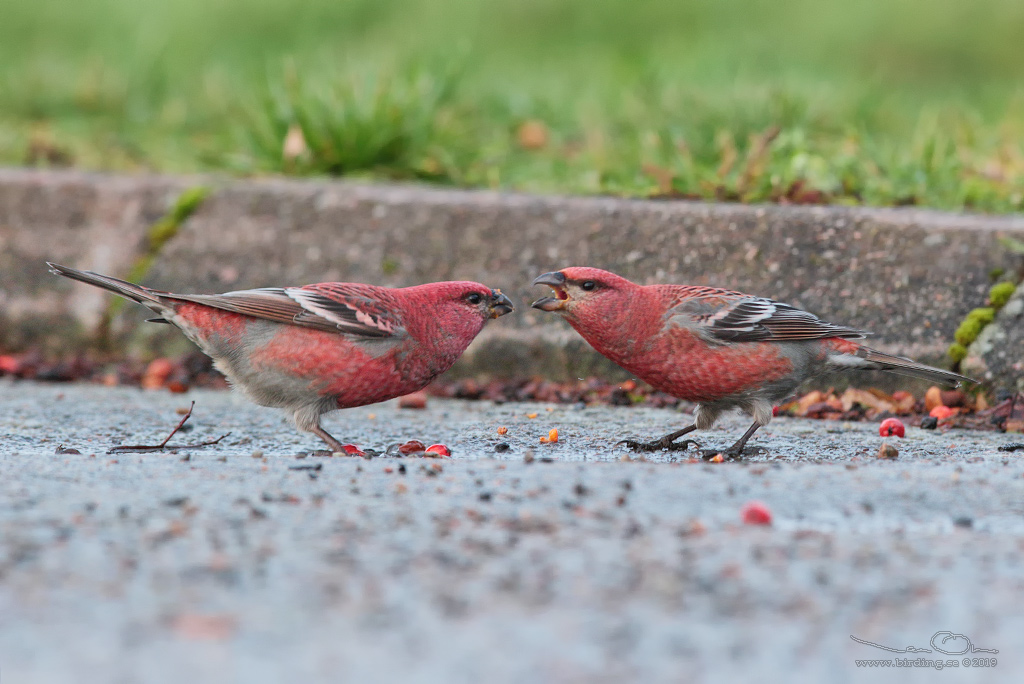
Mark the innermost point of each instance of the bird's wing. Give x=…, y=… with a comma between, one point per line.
x=352, y=309
x=726, y=316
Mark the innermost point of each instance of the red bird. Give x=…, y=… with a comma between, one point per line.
x=314, y=349
x=722, y=349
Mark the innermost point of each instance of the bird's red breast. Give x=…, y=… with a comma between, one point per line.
x=679, y=362
x=332, y=365
x=637, y=334
x=689, y=368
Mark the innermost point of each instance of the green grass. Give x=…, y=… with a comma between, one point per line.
x=880, y=102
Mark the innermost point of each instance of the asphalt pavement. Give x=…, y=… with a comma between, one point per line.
x=513, y=561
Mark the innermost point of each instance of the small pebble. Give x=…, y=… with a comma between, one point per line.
x=887, y=451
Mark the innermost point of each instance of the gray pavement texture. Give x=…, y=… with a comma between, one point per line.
x=227, y=564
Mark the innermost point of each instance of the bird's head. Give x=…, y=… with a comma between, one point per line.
x=468, y=299
x=457, y=308
x=580, y=292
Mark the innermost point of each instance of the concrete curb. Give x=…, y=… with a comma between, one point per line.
x=908, y=275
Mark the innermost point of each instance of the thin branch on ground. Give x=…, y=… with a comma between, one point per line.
x=163, y=445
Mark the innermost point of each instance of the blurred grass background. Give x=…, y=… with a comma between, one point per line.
x=882, y=102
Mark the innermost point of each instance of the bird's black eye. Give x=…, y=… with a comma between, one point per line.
x=474, y=298
x=589, y=285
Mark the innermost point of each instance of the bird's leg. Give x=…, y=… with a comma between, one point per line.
x=336, y=446
x=307, y=419
x=666, y=442
x=736, y=450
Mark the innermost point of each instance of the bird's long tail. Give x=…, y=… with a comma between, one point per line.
x=136, y=293
x=865, y=358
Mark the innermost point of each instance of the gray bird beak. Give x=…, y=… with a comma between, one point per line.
x=556, y=281
x=500, y=304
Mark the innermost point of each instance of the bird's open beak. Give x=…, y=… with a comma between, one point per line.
x=556, y=281
x=500, y=304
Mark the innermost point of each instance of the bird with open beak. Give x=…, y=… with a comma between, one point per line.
x=721, y=349
x=318, y=348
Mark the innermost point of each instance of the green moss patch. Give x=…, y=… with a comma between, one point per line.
x=159, y=234
x=1000, y=294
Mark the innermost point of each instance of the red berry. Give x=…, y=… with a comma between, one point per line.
x=892, y=427
x=439, y=449
x=416, y=400
x=157, y=373
x=413, y=446
x=756, y=513
x=9, y=364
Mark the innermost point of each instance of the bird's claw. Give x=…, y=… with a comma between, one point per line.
x=657, y=445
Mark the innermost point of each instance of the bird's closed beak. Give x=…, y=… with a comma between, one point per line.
x=556, y=281
x=500, y=304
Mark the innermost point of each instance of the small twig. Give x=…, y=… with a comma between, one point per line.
x=184, y=419
x=1012, y=447
x=163, y=445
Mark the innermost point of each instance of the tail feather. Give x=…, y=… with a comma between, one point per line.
x=871, y=359
x=136, y=293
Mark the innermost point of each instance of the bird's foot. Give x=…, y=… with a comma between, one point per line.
x=731, y=454
x=658, y=445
